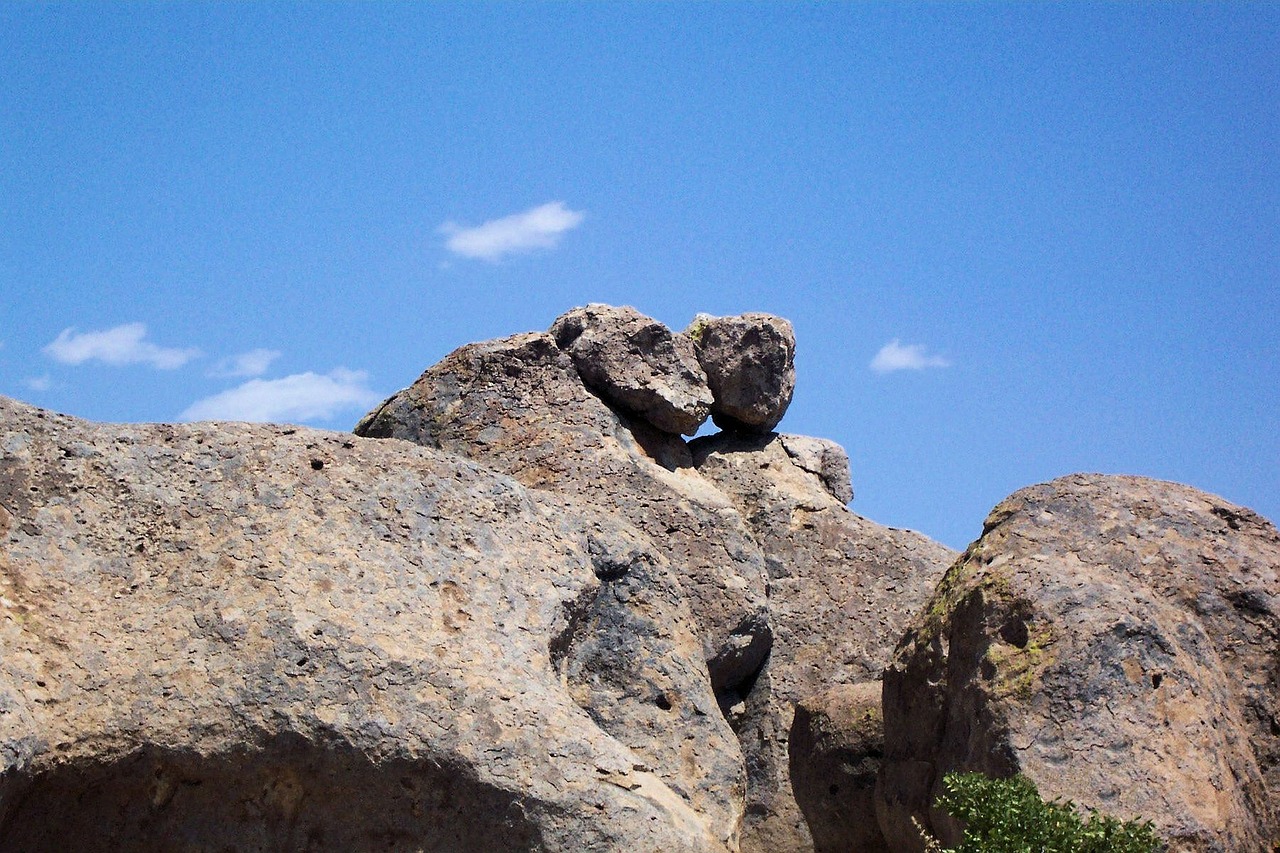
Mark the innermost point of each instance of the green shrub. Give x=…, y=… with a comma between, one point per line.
x=1008, y=816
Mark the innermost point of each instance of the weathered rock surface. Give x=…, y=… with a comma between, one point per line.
x=749, y=360
x=1117, y=640
x=824, y=459
x=837, y=741
x=224, y=636
x=736, y=516
x=841, y=592
x=546, y=622
x=518, y=405
x=637, y=364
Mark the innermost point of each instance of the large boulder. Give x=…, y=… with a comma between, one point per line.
x=637, y=364
x=841, y=592
x=1113, y=638
x=230, y=636
x=749, y=360
x=518, y=405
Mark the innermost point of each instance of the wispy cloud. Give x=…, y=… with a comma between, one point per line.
x=895, y=356
x=537, y=228
x=118, y=346
x=300, y=397
x=39, y=383
x=255, y=362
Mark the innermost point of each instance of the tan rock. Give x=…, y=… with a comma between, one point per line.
x=1114, y=639
x=841, y=591
x=636, y=364
x=229, y=636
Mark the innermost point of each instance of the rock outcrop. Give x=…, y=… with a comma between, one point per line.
x=841, y=592
x=1117, y=640
x=517, y=611
x=224, y=636
x=783, y=612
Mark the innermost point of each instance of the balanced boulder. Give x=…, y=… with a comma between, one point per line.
x=749, y=361
x=636, y=363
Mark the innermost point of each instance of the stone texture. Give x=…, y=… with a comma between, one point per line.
x=749, y=361
x=824, y=459
x=1116, y=640
x=841, y=592
x=229, y=636
x=518, y=405
x=636, y=364
x=837, y=740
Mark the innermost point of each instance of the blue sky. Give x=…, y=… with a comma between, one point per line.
x=1016, y=241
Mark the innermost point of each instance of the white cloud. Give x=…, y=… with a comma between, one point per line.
x=255, y=362
x=895, y=356
x=116, y=346
x=537, y=228
x=300, y=397
x=39, y=383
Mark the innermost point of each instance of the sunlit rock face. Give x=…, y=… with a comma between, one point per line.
x=518, y=611
x=791, y=592
x=1114, y=639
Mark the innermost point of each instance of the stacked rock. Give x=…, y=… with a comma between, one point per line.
x=740, y=370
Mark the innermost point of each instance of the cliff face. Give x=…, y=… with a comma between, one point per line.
x=517, y=610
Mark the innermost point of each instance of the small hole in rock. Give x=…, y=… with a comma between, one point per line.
x=1014, y=632
x=663, y=702
x=317, y=464
x=1156, y=679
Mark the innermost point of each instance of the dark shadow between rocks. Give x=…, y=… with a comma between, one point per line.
x=291, y=795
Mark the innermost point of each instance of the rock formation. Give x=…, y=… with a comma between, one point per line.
x=517, y=611
x=837, y=742
x=1116, y=640
x=792, y=591
x=840, y=590
x=226, y=636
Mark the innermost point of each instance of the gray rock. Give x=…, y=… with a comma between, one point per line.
x=749, y=361
x=837, y=740
x=1114, y=639
x=841, y=591
x=637, y=364
x=230, y=636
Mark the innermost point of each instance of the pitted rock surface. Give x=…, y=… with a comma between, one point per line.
x=1116, y=640
x=230, y=636
x=518, y=405
x=842, y=590
x=749, y=360
x=637, y=364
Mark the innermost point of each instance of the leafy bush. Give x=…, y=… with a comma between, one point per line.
x=1008, y=816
